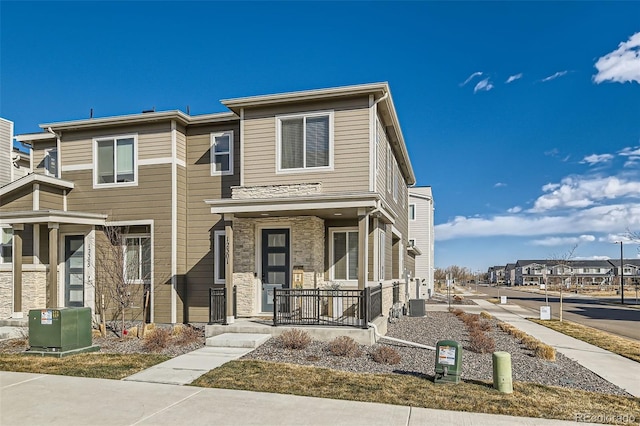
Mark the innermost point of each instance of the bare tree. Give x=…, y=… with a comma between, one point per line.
x=563, y=262
x=123, y=273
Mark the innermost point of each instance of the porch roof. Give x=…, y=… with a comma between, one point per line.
x=326, y=206
x=35, y=178
x=52, y=216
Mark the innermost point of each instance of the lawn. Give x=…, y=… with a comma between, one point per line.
x=528, y=400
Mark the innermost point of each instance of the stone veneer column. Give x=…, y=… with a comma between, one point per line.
x=52, y=275
x=17, y=270
x=228, y=255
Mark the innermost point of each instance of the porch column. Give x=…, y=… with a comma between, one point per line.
x=363, y=240
x=52, y=274
x=228, y=270
x=17, y=270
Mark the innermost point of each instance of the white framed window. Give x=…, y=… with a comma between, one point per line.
x=412, y=212
x=305, y=141
x=6, y=245
x=412, y=242
x=389, y=170
x=115, y=161
x=220, y=261
x=51, y=162
x=222, y=153
x=344, y=253
x=137, y=259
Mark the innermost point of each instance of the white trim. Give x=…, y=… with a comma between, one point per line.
x=240, y=141
x=36, y=196
x=36, y=243
x=341, y=229
x=395, y=231
x=130, y=222
x=75, y=167
x=53, y=216
x=161, y=160
x=304, y=116
x=285, y=224
x=35, y=178
x=64, y=200
x=213, y=154
x=174, y=224
x=375, y=249
x=115, y=138
x=10, y=263
x=216, y=254
x=415, y=242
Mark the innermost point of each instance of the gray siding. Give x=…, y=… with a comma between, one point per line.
x=421, y=230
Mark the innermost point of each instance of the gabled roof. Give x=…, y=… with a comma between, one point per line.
x=35, y=178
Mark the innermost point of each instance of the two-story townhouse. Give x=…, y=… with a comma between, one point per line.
x=315, y=180
x=421, y=235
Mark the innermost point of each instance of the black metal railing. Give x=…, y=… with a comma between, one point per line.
x=350, y=308
x=396, y=293
x=218, y=305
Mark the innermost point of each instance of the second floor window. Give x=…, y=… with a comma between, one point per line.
x=222, y=153
x=305, y=141
x=51, y=162
x=115, y=161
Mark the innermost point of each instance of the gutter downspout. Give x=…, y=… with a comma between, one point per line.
x=393, y=339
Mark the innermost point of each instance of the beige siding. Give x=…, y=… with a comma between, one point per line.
x=19, y=200
x=381, y=158
x=351, y=146
x=182, y=218
x=50, y=198
x=181, y=145
x=201, y=223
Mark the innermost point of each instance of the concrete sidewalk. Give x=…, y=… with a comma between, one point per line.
x=614, y=368
x=35, y=399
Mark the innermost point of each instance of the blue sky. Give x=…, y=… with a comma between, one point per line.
x=523, y=117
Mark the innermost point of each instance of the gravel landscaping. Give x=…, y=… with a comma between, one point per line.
x=428, y=330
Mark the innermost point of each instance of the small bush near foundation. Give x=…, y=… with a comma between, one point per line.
x=157, y=340
x=344, y=346
x=456, y=311
x=295, y=339
x=486, y=315
x=386, y=355
x=187, y=335
x=481, y=342
x=484, y=325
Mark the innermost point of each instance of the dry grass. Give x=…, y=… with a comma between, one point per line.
x=157, y=340
x=486, y=315
x=540, y=350
x=97, y=365
x=627, y=348
x=528, y=400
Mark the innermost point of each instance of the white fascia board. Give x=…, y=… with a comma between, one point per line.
x=28, y=137
x=36, y=178
x=119, y=120
x=52, y=216
x=292, y=203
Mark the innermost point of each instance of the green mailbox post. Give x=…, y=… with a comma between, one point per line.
x=60, y=331
x=448, y=361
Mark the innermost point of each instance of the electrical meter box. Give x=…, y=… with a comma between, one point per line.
x=298, y=276
x=59, y=330
x=448, y=362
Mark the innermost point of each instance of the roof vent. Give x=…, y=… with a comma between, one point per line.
x=149, y=110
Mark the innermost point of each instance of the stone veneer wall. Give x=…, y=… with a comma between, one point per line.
x=387, y=296
x=307, y=250
x=275, y=191
x=34, y=291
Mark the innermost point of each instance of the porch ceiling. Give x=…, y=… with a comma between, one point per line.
x=52, y=216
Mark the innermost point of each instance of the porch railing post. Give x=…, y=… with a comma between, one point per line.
x=210, y=306
x=235, y=301
x=224, y=301
x=275, y=321
x=366, y=295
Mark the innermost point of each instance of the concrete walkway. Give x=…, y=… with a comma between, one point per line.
x=614, y=368
x=35, y=399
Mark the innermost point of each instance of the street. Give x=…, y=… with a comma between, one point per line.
x=585, y=310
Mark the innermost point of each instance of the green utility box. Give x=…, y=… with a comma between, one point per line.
x=60, y=330
x=502, y=372
x=448, y=361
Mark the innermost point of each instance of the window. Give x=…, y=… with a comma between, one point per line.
x=115, y=161
x=382, y=253
x=305, y=141
x=51, y=162
x=137, y=256
x=6, y=242
x=389, y=170
x=344, y=254
x=412, y=212
x=220, y=257
x=222, y=153
x=412, y=242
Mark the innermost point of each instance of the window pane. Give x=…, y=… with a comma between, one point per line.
x=105, y=161
x=317, y=141
x=125, y=160
x=5, y=245
x=292, y=144
x=277, y=259
x=276, y=277
x=353, y=256
x=221, y=163
x=51, y=162
x=146, y=259
x=277, y=240
x=132, y=259
x=340, y=255
x=222, y=144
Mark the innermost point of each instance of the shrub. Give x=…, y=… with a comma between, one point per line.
x=470, y=319
x=386, y=355
x=157, y=340
x=295, y=339
x=481, y=342
x=544, y=351
x=456, y=311
x=484, y=325
x=187, y=335
x=344, y=346
x=486, y=315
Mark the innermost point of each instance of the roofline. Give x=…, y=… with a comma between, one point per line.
x=28, y=137
x=35, y=178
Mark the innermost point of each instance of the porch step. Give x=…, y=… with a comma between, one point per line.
x=237, y=340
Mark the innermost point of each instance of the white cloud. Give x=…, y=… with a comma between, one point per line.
x=513, y=78
x=630, y=151
x=592, y=258
x=631, y=162
x=499, y=185
x=471, y=77
x=483, y=86
x=563, y=241
x=621, y=65
x=552, y=153
x=516, y=209
x=575, y=192
x=554, y=76
x=615, y=238
x=597, y=158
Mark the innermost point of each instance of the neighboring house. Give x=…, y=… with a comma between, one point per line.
x=496, y=274
x=314, y=180
x=13, y=163
x=510, y=274
x=421, y=236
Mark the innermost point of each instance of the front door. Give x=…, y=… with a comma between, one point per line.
x=275, y=264
x=74, y=271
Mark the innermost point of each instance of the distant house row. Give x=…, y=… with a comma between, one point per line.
x=580, y=272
